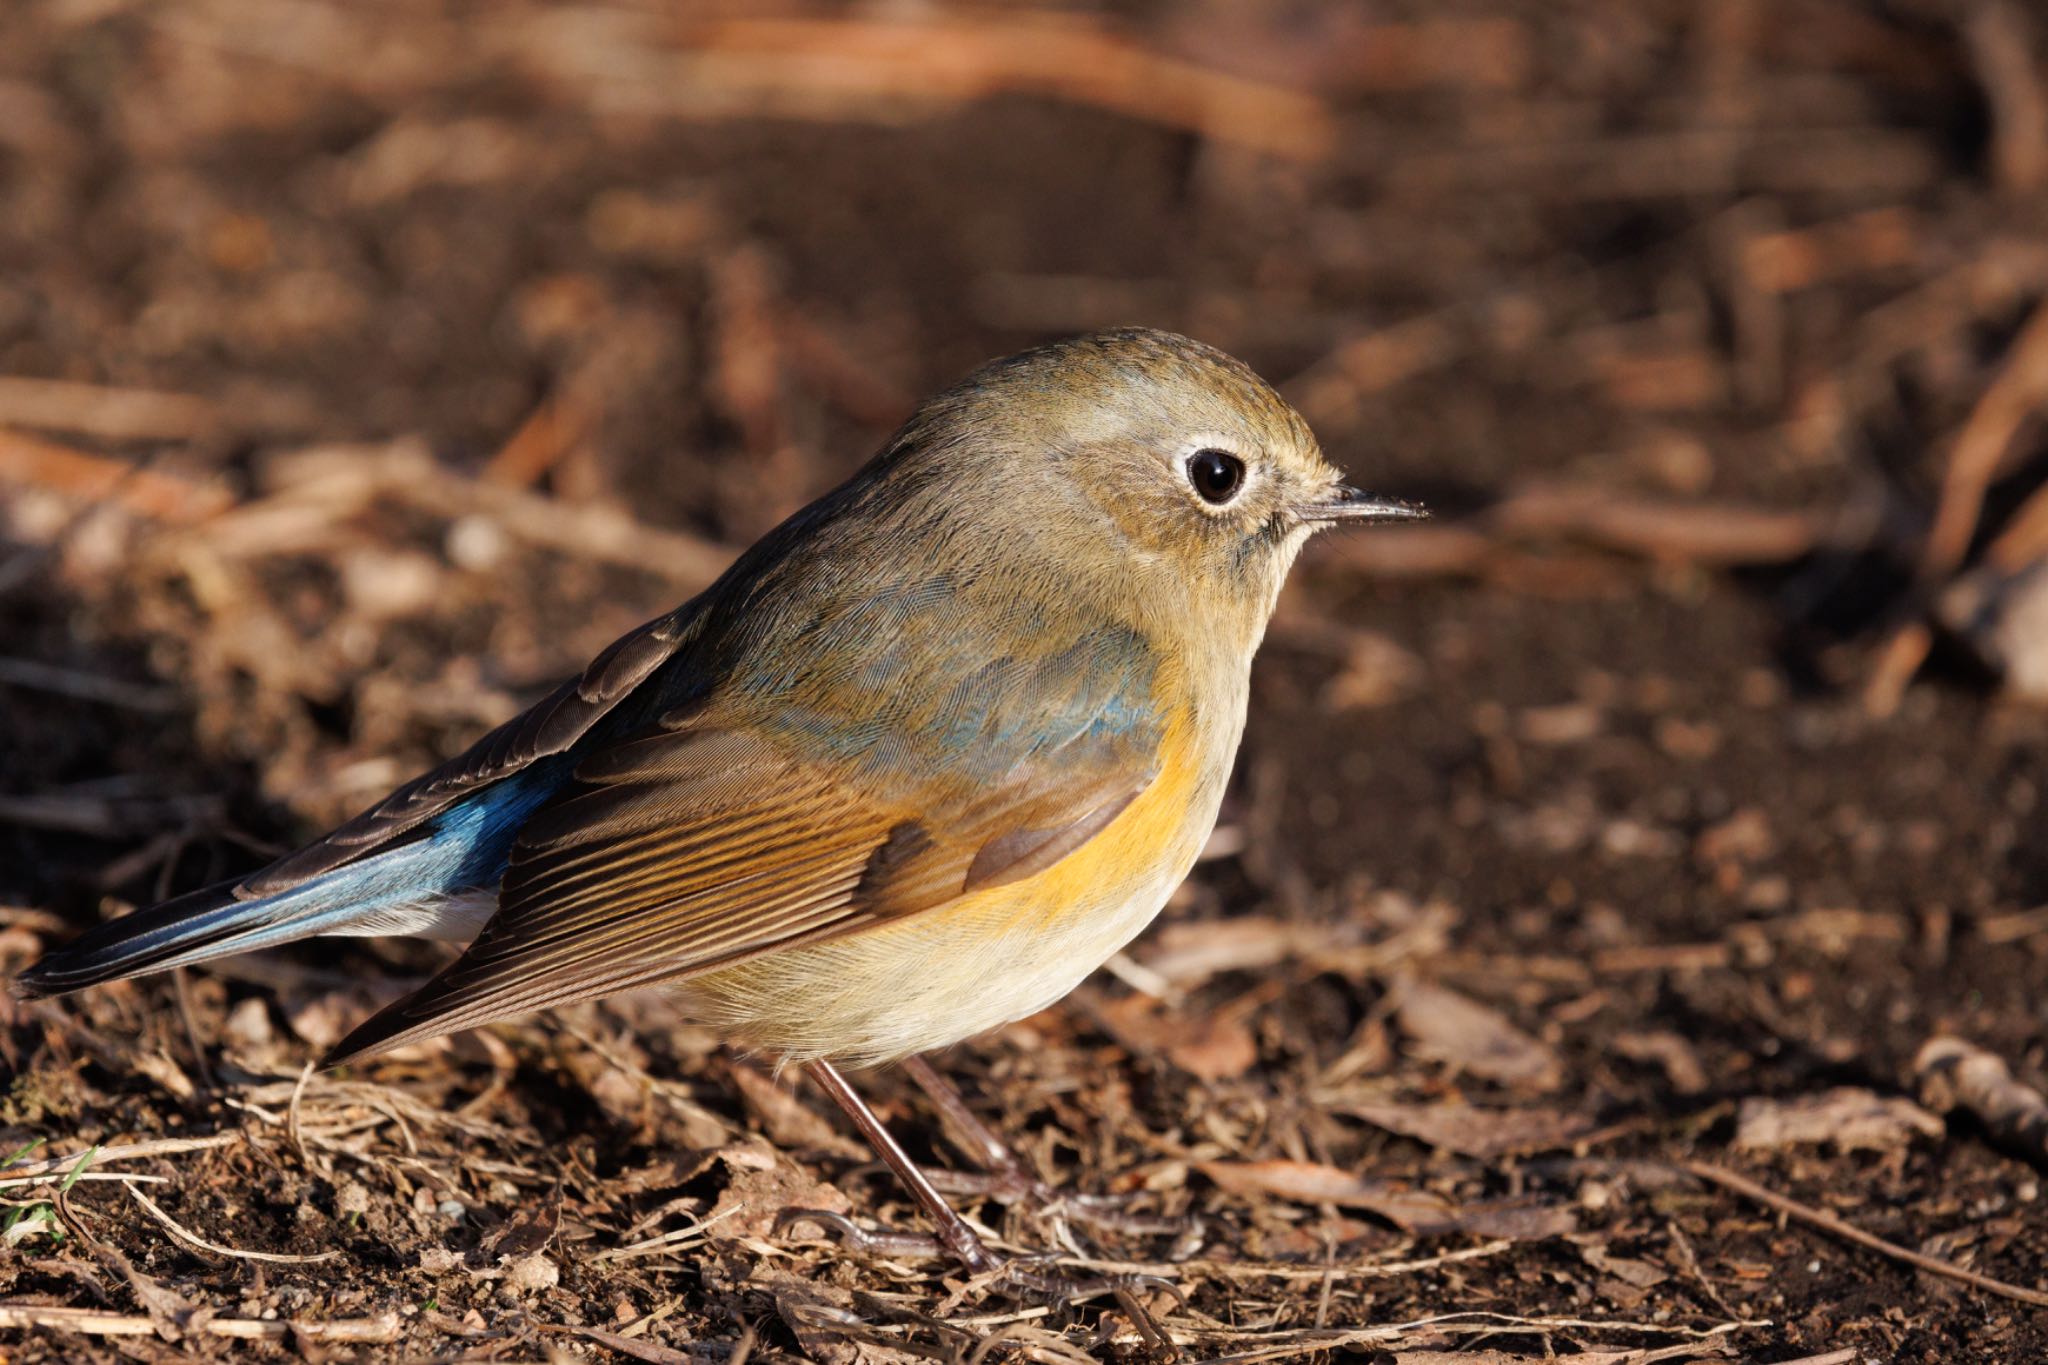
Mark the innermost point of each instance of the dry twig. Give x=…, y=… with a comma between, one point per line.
x=377, y=1330
x=191, y=1238
x=833, y=69
x=28, y=461
x=1849, y=1232
x=1954, y=1074
x=131, y=1151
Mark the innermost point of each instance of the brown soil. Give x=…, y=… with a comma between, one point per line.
x=1570, y=817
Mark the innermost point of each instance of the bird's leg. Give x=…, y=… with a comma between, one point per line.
x=1008, y=1178
x=954, y=1237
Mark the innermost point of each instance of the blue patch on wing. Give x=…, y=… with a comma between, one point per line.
x=921, y=689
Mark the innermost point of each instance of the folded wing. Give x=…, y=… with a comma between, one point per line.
x=705, y=842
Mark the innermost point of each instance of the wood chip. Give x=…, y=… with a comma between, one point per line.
x=1313, y=1183
x=1954, y=1074
x=1470, y=1130
x=1472, y=1038
x=1848, y=1119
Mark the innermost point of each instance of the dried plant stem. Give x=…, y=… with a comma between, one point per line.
x=377, y=1330
x=193, y=1239
x=1849, y=1232
x=133, y=1151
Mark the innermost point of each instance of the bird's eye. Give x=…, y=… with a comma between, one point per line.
x=1216, y=474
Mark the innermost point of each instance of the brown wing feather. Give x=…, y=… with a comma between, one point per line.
x=680, y=852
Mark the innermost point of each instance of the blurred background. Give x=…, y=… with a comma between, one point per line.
x=366, y=367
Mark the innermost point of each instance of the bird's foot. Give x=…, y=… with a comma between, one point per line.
x=1032, y=1279
x=1008, y=1179
x=966, y=1249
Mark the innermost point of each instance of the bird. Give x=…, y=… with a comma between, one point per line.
x=925, y=756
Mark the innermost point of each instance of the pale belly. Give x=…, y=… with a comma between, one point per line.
x=989, y=958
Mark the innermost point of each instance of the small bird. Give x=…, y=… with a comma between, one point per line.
x=923, y=758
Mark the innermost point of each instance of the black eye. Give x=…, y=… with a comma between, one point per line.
x=1216, y=475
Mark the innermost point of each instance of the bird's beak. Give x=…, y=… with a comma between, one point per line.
x=1346, y=503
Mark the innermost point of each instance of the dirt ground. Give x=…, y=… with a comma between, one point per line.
x=1629, y=905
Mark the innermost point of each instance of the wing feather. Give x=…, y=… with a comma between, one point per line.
x=679, y=852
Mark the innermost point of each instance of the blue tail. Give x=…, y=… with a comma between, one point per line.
x=441, y=885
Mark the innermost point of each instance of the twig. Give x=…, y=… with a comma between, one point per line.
x=405, y=472
x=835, y=69
x=2014, y=396
x=291, y=1113
x=1828, y=1222
x=1669, y=531
x=651, y=1351
x=1954, y=1074
x=69, y=682
x=2001, y=50
x=1697, y=532
x=22, y=1316
x=111, y=414
x=1270, y=1270
x=2014, y=925
x=1979, y=450
x=27, y=461
x=194, y=1239
x=681, y=1239
x=543, y=440
x=182, y=988
x=134, y=1151
x=1272, y=1344
x=124, y=1176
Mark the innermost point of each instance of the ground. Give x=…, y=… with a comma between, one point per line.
x=1601, y=859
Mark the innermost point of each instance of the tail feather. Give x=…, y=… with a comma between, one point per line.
x=216, y=922
x=191, y=928
x=439, y=883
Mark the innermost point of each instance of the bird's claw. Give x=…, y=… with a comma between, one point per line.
x=871, y=1241
x=1051, y=1286
x=1026, y=1278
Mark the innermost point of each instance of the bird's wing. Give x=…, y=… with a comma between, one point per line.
x=706, y=841
x=549, y=727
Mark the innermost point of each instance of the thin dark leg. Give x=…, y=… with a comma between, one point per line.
x=1011, y=1179
x=981, y=1142
x=954, y=1234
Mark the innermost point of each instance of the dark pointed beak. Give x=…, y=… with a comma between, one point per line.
x=1348, y=504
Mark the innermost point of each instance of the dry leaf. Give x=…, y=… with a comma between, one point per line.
x=1671, y=1052
x=1638, y=1273
x=823, y=1320
x=1313, y=1183
x=1213, y=1047
x=789, y=1123
x=1473, y=1038
x=1189, y=954
x=1849, y=1119
x=759, y=1185
x=1473, y=1131
x=1515, y=1220
x=1217, y=1048
x=1377, y=672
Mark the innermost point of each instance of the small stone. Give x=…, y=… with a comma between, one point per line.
x=531, y=1274
x=248, y=1025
